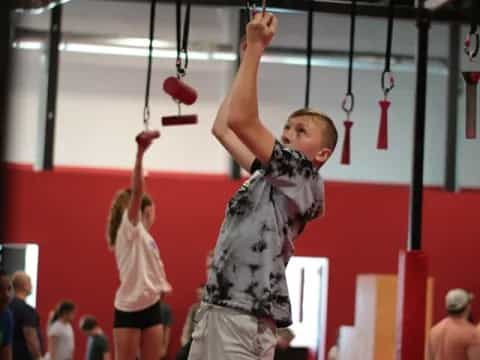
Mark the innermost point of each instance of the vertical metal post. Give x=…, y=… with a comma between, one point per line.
x=5, y=31
x=416, y=190
x=451, y=183
x=52, y=87
x=309, y=54
x=235, y=171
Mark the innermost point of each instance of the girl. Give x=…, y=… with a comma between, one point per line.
x=60, y=332
x=137, y=318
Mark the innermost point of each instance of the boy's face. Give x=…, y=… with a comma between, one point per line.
x=304, y=134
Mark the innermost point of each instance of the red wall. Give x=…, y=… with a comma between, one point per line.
x=65, y=213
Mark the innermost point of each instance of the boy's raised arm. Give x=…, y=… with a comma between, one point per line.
x=244, y=118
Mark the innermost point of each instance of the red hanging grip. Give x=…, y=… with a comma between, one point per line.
x=472, y=79
x=346, y=143
x=179, y=90
x=146, y=137
x=382, y=141
x=179, y=120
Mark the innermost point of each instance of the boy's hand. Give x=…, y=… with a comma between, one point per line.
x=145, y=139
x=261, y=29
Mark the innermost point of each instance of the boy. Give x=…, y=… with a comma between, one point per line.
x=246, y=293
x=97, y=344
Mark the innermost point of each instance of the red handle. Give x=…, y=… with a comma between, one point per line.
x=179, y=90
x=179, y=120
x=146, y=137
x=346, y=143
x=382, y=141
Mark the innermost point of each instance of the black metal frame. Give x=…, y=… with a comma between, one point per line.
x=451, y=183
x=52, y=87
x=5, y=43
x=336, y=7
x=416, y=190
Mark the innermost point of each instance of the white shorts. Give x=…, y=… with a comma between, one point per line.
x=228, y=334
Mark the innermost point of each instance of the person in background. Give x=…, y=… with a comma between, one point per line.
x=61, y=342
x=454, y=337
x=97, y=343
x=27, y=339
x=166, y=319
x=6, y=317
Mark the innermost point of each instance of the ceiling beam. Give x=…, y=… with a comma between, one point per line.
x=334, y=7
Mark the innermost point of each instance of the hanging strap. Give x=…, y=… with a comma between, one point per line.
x=182, y=40
x=309, y=53
x=387, y=74
x=349, y=100
x=248, y=8
x=146, y=109
x=472, y=41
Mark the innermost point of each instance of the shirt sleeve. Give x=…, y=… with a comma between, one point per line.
x=54, y=329
x=28, y=318
x=291, y=173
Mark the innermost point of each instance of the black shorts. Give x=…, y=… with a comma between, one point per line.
x=141, y=319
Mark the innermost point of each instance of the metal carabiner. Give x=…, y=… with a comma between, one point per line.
x=146, y=117
x=391, y=82
x=470, y=50
x=348, y=103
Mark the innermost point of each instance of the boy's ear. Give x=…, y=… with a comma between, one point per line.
x=323, y=155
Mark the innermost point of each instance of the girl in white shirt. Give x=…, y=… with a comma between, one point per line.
x=61, y=342
x=137, y=323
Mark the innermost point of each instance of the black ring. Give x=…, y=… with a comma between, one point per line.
x=468, y=49
x=387, y=89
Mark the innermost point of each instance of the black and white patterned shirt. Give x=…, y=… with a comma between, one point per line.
x=256, y=239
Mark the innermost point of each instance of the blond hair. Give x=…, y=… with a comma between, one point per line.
x=329, y=130
x=119, y=205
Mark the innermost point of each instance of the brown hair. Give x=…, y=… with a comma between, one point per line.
x=328, y=126
x=119, y=204
x=64, y=307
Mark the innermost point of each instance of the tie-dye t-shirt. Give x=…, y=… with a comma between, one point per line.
x=256, y=239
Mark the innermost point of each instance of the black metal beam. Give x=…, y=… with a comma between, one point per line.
x=235, y=171
x=451, y=183
x=416, y=190
x=5, y=44
x=334, y=7
x=52, y=87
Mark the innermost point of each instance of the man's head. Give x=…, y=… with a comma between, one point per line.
x=22, y=284
x=88, y=324
x=312, y=133
x=5, y=290
x=457, y=302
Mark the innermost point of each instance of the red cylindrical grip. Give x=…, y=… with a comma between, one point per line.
x=179, y=120
x=346, y=143
x=146, y=137
x=180, y=91
x=382, y=141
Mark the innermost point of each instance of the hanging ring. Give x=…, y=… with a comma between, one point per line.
x=387, y=75
x=471, y=49
x=347, y=103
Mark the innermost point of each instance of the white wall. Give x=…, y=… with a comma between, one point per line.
x=100, y=99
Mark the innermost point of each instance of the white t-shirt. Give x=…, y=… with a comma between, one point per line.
x=65, y=341
x=142, y=274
